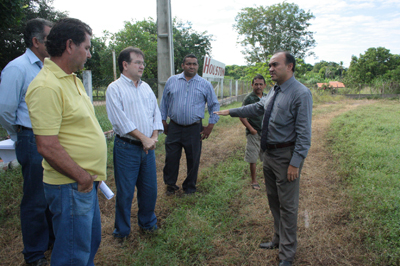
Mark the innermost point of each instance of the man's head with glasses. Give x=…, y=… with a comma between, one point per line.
x=131, y=63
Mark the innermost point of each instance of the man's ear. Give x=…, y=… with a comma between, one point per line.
x=35, y=42
x=69, y=46
x=124, y=64
x=290, y=66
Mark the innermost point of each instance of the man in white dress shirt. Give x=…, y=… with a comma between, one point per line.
x=133, y=111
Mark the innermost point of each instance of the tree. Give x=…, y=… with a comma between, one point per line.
x=143, y=34
x=375, y=63
x=12, y=43
x=259, y=68
x=189, y=41
x=265, y=30
x=101, y=63
x=11, y=13
x=235, y=71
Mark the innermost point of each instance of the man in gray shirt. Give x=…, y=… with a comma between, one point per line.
x=285, y=141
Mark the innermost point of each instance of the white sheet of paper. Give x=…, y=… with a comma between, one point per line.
x=106, y=191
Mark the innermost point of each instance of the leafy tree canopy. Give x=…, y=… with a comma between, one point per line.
x=235, y=71
x=374, y=63
x=143, y=34
x=12, y=44
x=11, y=13
x=265, y=30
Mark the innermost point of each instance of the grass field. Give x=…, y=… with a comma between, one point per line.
x=366, y=146
x=212, y=228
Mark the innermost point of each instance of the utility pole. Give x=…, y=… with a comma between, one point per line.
x=165, y=46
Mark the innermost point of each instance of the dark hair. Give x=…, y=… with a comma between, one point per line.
x=62, y=31
x=258, y=76
x=189, y=56
x=289, y=58
x=35, y=28
x=125, y=55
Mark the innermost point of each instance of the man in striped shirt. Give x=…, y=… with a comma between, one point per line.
x=184, y=99
x=133, y=111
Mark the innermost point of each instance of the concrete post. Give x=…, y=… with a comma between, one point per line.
x=222, y=88
x=230, y=88
x=165, y=46
x=237, y=87
x=87, y=83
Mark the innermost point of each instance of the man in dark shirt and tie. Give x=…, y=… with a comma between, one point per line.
x=285, y=141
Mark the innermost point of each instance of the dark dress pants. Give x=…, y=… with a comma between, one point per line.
x=283, y=198
x=189, y=139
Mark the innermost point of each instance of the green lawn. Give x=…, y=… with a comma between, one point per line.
x=366, y=145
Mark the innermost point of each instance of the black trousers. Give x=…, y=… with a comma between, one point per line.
x=188, y=138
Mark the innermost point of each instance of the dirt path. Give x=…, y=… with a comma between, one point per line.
x=323, y=235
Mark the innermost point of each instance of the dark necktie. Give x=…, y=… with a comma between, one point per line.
x=267, y=116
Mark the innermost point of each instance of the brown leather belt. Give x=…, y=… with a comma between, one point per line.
x=280, y=145
x=131, y=141
x=186, y=125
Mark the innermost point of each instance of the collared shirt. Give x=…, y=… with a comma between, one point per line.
x=15, y=79
x=130, y=107
x=184, y=101
x=59, y=106
x=290, y=118
x=255, y=122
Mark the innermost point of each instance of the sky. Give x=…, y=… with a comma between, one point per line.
x=341, y=28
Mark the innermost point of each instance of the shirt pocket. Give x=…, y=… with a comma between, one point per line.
x=283, y=116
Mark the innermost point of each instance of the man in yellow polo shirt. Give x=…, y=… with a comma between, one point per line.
x=71, y=142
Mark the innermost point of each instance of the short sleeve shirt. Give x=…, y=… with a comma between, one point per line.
x=58, y=105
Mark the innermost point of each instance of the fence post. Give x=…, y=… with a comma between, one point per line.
x=222, y=88
x=237, y=87
x=230, y=88
x=87, y=83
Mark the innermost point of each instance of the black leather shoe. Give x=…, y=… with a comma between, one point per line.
x=269, y=245
x=171, y=189
x=285, y=263
x=39, y=262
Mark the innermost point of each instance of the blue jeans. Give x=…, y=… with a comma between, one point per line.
x=36, y=226
x=133, y=167
x=76, y=222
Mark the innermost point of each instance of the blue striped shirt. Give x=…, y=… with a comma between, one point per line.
x=290, y=118
x=15, y=79
x=184, y=101
x=130, y=107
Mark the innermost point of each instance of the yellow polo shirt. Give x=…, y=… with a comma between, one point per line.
x=58, y=105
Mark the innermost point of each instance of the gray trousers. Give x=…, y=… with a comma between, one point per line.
x=283, y=198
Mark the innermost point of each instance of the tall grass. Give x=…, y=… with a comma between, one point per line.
x=366, y=145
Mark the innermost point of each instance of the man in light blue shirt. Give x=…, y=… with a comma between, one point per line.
x=37, y=232
x=184, y=98
x=133, y=111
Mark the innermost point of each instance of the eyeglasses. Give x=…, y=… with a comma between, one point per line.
x=139, y=63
